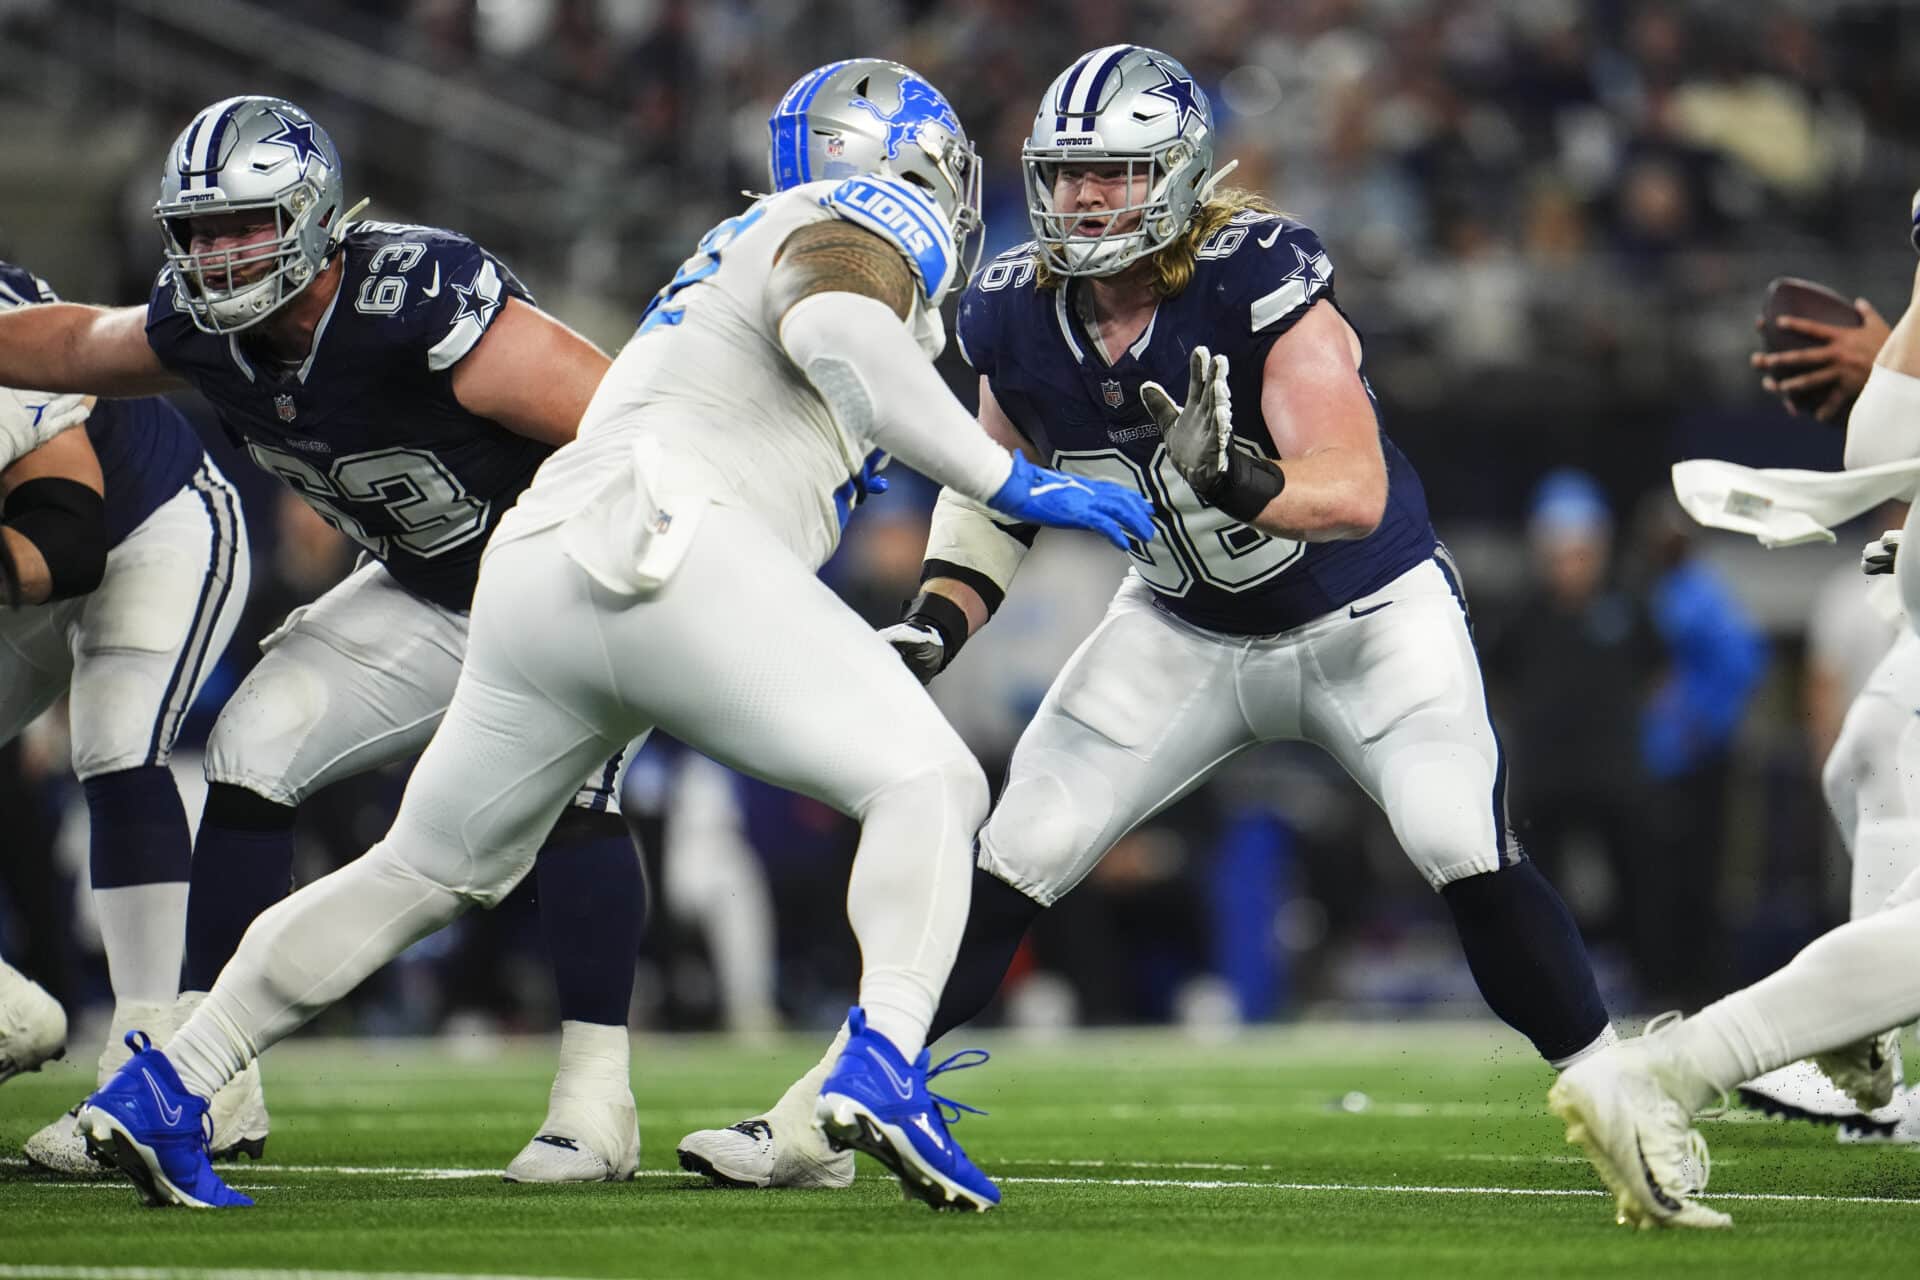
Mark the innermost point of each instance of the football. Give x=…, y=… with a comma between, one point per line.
x=1791, y=296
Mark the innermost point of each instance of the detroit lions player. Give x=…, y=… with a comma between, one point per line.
x=123, y=572
x=1295, y=590
x=661, y=571
x=1843, y=999
x=401, y=380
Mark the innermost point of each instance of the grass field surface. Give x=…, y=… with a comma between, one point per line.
x=1315, y=1151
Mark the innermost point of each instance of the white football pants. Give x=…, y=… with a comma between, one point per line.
x=1149, y=706
x=744, y=655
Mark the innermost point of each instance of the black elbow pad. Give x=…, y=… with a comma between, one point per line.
x=67, y=524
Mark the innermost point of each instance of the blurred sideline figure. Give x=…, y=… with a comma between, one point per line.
x=402, y=382
x=1843, y=998
x=660, y=571
x=1296, y=591
x=123, y=570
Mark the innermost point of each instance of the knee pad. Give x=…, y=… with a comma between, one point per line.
x=260, y=731
x=1050, y=826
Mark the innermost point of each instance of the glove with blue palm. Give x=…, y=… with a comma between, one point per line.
x=1044, y=496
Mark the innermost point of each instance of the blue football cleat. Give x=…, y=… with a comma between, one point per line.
x=145, y=1123
x=875, y=1102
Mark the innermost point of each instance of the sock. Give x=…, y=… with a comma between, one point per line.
x=997, y=922
x=907, y=896
x=304, y=953
x=1528, y=958
x=797, y=1102
x=139, y=856
x=242, y=864
x=1885, y=852
x=592, y=907
x=592, y=1054
x=1853, y=982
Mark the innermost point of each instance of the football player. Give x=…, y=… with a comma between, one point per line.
x=1631, y=1107
x=123, y=571
x=1295, y=590
x=1869, y=790
x=403, y=382
x=661, y=571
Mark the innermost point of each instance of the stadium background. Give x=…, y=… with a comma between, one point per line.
x=1552, y=222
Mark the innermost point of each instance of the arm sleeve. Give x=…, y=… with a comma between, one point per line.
x=1884, y=425
x=970, y=544
x=881, y=388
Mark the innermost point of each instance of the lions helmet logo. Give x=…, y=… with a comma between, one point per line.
x=920, y=103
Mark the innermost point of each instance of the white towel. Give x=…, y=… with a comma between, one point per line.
x=1783, y=508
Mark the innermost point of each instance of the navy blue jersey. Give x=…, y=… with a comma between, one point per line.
x=1253, y=280
x=147, y=450
x=367, y=428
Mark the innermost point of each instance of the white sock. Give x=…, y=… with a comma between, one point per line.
x=1846, y=985
x=800, y=1096
x=907, y=898
x=302, y=954
x=593, y=1058
x=1607, y=1036
x=144, y=930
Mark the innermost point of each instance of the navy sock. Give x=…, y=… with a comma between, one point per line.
x=1527, y=955
x=593, y=906
x=997, y=921
x=139, y=828
x=242, y=864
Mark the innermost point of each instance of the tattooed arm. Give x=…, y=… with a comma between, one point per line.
x=838, y=257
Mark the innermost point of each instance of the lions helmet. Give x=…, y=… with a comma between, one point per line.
x=1120, y=105
x=241, y=154
x=868, y=115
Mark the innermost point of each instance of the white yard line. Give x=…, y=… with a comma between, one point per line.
x=32, y=1272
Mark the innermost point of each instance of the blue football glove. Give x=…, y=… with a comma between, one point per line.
x=1044, y=496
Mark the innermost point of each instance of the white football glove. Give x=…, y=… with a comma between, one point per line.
x=1198, y=432
x=28, y=419
x=1878, y=557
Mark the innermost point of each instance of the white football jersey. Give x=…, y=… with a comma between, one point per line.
x=705, y=383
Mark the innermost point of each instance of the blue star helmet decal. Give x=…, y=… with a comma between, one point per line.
x=473, y=302
x=297, y=137
x=1182, y=93
x=920, y=103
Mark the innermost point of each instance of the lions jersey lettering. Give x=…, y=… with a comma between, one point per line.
x=905, y=216
x=1253, y=280
x=367, y=428
x=147, y=449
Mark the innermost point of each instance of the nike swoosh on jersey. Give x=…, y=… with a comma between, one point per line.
x=433, y=290
x=171, y=1115
x=1271, y=236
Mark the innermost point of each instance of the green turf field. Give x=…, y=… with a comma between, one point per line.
x=1119, y=1155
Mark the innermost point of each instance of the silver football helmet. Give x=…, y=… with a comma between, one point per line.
x=868, y=115
x=240, y=154
x=1119, y=105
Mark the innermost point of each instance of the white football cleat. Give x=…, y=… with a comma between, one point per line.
x=33, y=1026
x=60, y=1147
x=1640, y=1140
x=1868, y=1071
x=1801, y=1091
x=583, y=1139
x=767, y=1151
x=1898, y=1124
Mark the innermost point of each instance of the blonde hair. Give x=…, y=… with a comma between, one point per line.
x=1173, y=265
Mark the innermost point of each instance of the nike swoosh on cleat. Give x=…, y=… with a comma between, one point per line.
x=926, y=1126
x=902, y=1087
x=1356, y=611
x=1660, y=1194
x=170, y=1115
x=1271, y=236
x=433, y=290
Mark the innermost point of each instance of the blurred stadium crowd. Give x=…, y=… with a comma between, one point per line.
x=1552, y=221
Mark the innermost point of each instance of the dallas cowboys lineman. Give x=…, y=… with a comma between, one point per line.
x=1295, y=590
x=401, y=380
x=123, y=571
x=661, y=571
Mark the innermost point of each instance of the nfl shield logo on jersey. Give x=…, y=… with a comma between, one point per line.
x=283, y=405
x=1111, y=393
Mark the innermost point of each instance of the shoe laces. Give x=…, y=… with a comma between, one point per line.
x=957, y=1062
x=756, y=1129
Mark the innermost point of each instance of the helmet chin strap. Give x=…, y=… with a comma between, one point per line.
x=1219, y=176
